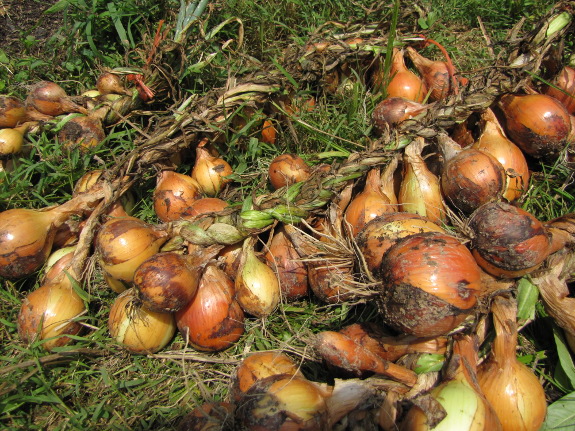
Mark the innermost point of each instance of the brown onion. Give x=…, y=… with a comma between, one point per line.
x=393, y=110
x=11, y=141
x=512, y=389
x=208, y=417
x=110, y=83
x=404, y=83
x=12, y=111
x=563, y=88
x=537, y=123
x=56, y=262
x=268, y=132
x=382, y=232
x=258, y=366
x=285, y=260
x=174, y=194
x=49, y=98
x=288, y=169
x=369, y=204
x=138, y=329
x=209, y=171
x=83, y=132
x=420, y=190
x=213, y=320
x=48, y=313
x=206, y=206
x=508, y=241
x=435, y=74
x=494, y=142
x=168, y=281
x=471, y=178
x=431, y=284
x=283, y=402
x=124, y=243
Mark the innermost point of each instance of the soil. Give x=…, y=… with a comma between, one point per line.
x=22, y=18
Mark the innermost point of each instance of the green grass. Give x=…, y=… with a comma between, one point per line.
x=95, y=384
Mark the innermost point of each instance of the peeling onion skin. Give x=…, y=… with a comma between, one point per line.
x=288, y=169
x=537, y=123
x=12, y=111
x=430, y=284
x=509, y=241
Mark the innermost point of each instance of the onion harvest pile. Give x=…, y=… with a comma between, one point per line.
x=424, y=227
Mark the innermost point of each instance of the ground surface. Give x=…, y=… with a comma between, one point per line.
x=22, y=18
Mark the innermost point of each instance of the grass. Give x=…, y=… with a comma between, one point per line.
x=95, y=384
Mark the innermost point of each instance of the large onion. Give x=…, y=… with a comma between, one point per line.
x=83, y=132
x=174, y=195
x=49, y=98
x=209, y=171
x=431, y=284
x=404, y=83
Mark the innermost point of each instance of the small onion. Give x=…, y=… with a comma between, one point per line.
x=12, y=111
x=404, y=83
x=124, y=243
x=393, y=110
x=213, y=320
x=431, y=284
x=49, y=98
x=283, y=402
x=511, y=387
x=287, y=169
x=509, y=241
x=563, y=88
x=138, y=329
x=110, y=83
x=209, y=171
x=382, y=232
x=258, y=366
x=174, y=195
x=292, y=272
x=537, y=123
x=48, y=313
x=11, y=141
x=268, y=132
x=83, y=132
x=435, y=74
x=257, y=286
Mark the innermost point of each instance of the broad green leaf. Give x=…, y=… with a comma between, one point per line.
x=565, y=361
x=560, y=414
x=527, y=296
x=429, y=362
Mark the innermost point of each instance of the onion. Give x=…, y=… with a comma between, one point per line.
x=206, y=206
x=213, y=320
x=464, y=406
x=230, y=257
x=174, y=194
x=257, y=286
x=512, y=389
x=285, y=260
x=494, y=142
x=49, y=98
x=391, y=111
x=431, y=284
x=12, y=111
x=404, y=83
x=420, y=191
x=287, y=169
x=563, y=88
x=123, y=244
x=537, y=123
x=470, y=177
x=116, y=285
x=56, y=262
x=110, y=83
x=369, y=204
x=509, y=241
x=47, y=314
x=258, y=366
x=138, y=329
x=208, y=417
x=268, y=132
x=168, y=281
x=382, y=232
x=283, y=402
x=83, y=132
x=11, y=141
x=210, y=171
x=435, y=74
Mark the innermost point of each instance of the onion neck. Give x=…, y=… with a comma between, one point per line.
x=448, y=146
x=504, y=311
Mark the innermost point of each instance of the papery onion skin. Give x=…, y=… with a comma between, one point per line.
x=49, y=312
x=404, y=83
x=82, y=132
x=430, y=284
x=283, y=402
x=11, y=141
x=205, y=206
x=537, y=123
x=330, y=282
x=12, y=111
x=166, y=282
x=563, y=88
x=213, y=320
x=472, y=178
x=382, y=232
x=210, y=171
x=174, y=194
x=509, y=241
x=258, y=366
x=49, y=98
x=110, y=83
x=288, y=169
x=138, y=329
x=435, y=74
x=393, y=110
